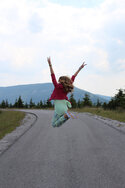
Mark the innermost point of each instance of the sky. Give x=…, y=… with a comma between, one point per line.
x=70, y=32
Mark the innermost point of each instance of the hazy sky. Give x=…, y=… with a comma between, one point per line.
x=70, y=31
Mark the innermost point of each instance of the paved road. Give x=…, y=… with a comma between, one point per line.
x=83, y=153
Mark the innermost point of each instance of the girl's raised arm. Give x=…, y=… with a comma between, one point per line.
x=50, y=65
x=81, y=67
x=52, y=73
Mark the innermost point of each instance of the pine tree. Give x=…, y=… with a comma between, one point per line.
x=73, y=101
x=3, y=104
x=20, y=103
x=6, y=103
x=15, y=104
x=41, y=104
x=79, y=104
x=120, y=99
x=112, y=104
x=98, y=104
x=44, y=104
x=86, y=100
x=105, y=105
x=32, y=104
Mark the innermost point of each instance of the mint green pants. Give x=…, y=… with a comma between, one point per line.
x=61, y=107
x=58, y=120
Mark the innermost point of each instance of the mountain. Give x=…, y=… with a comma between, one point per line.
x=42, y=92
x=105, y=97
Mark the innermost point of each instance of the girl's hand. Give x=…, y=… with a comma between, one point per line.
x=83, y=65
x=49, y=61
x=50, y=65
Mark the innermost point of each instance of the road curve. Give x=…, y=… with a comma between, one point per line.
x=83, y=153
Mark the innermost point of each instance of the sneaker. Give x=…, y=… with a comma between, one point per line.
x=71, y=115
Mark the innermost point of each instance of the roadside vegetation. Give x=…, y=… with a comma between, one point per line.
x=9, y=120
x=118, y=114
x=114, y=109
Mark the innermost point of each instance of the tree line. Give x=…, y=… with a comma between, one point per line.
x=19, y=103
x=118, y=101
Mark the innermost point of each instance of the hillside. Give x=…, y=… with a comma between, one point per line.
x=41, y=92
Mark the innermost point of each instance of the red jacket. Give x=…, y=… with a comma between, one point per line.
x=58, y=92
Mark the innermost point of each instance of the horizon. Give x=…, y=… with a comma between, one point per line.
x=90, y=31
x=52, y=84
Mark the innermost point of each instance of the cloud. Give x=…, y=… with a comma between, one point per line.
x=35, y=23
x=32, y=30
x=99, y=59
x=107, y=84
x=121, y=65
x=78, y=4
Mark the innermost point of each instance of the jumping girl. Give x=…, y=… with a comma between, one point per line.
x=59, y=95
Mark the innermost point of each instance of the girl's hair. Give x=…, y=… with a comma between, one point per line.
x=67, y=83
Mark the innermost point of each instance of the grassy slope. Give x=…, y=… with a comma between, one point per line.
x=9, y=120
x=115, y=115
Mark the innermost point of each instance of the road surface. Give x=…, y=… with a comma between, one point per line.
x=83, y=153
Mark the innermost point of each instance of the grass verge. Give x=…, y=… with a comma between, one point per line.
x=112, y=114
x=9, y=120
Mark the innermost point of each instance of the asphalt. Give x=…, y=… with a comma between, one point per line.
x=83, y=153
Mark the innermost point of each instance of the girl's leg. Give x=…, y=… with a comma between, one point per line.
x=58, y=120
x=71, y=115
x=55, y=118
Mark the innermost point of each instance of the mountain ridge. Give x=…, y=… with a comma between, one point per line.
x=42, y=91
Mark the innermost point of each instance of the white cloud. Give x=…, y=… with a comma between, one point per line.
x=19, y=57
x=121, y=64
x=100, y=84
x=32, y=30
x=118, y=41
x=99, y=59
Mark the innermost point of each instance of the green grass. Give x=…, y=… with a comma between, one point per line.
x=112, y=114
x=9, y=120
